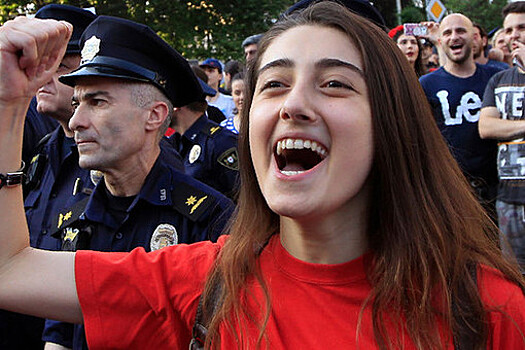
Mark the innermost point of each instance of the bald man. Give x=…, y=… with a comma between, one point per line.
x=455, y=93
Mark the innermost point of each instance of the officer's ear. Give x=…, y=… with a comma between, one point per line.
x=158, y=112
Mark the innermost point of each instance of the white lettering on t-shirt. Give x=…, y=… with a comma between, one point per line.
x=517, y=104
x=500, y=104
x=469, y=101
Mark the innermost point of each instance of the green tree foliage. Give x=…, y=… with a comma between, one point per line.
x=196, y=28
x=411, y=14
x=485, y=13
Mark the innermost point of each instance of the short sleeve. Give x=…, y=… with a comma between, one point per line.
x=506, y=304
x=142, y=300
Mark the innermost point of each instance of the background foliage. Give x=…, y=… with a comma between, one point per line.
x=216, y=28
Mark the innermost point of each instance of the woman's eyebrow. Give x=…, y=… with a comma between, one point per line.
x=335, y=62
x=282, y=62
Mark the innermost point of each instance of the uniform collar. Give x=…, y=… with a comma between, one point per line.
x=156, y=190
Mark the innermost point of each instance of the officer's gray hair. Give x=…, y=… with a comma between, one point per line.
x=143, y=94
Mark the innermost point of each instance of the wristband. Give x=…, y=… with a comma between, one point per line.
x=12, y=179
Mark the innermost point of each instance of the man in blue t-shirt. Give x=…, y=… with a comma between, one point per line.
x=454, y=92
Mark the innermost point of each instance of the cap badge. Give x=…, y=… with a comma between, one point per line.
x=90, y=49
x=164, y=235
x=195, y=152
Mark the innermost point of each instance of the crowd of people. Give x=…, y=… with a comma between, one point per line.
x=342, y=186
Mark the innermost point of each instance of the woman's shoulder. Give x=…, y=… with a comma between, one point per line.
x=504, y=301
x=496, y=289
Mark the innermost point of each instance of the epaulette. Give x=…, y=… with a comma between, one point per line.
x=191, y=201
x=68, y=216
x=211, y=129
x=35, y=169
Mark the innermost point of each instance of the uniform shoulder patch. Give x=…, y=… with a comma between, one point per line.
x=229, y=159
x=191, y=201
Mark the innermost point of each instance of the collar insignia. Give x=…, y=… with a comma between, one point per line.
x=63, y=218
x=95, y=176
x=194, y=203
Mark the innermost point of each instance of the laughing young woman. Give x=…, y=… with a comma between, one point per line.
x=355, y=228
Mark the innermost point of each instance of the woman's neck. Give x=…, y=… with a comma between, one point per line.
x=331, y=240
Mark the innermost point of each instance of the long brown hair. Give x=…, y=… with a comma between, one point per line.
x=425, y=228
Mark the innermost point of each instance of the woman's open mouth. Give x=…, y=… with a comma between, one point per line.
x=295, y=156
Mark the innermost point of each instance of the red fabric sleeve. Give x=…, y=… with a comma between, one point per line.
x=506, y=303
x=142, y=300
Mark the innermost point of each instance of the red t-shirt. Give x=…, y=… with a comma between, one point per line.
x=144, y=300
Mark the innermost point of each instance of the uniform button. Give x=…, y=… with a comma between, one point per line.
x=53, y=195
x=118, y=235
x=44, y=232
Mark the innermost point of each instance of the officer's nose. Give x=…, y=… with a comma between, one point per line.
x=79, y=120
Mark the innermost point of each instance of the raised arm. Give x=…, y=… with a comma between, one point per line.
x=35, y=282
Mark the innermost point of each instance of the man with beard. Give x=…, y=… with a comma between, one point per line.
x=479, y=48
x=502, y=119
x=454, y=92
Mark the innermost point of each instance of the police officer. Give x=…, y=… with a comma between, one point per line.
x=36, y=126
x=208, y=150
x=56, y=178
x=124, y=97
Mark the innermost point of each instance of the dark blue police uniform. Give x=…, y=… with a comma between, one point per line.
x=210, y=155
x=54, y=187
x=171, y=208
x=61, y=184
x=36, y=126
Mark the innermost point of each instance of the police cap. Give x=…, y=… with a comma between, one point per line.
x=362, y=7
x=119, y=48
x=78, y=17
x=252, y=39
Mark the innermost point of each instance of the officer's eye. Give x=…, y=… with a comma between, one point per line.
x=74, y=104
x=97, y=102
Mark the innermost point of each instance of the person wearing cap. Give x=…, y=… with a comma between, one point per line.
x=53, y=168
x=123, y=100
x=249, y=45
x=212, y=112
x=213, y=69
x=209, y=151
x=365, y=250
